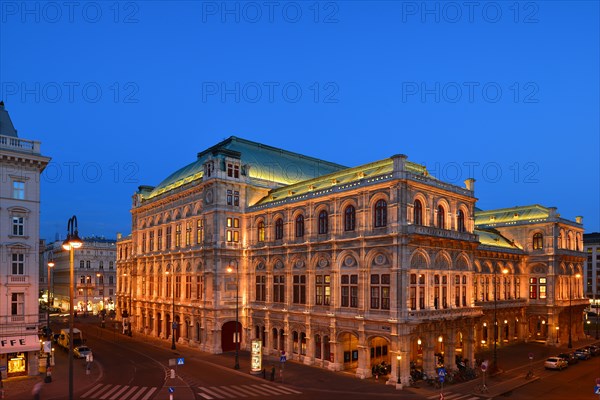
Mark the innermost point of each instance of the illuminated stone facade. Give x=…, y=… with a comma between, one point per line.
x=344, y=268
x=21, y=164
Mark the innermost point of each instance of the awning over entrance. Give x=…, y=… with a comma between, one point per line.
x=15, y=344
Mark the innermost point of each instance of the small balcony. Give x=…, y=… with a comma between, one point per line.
x=443, y=314
x=20, y=145
x=18, y=279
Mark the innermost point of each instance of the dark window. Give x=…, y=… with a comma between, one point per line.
x=299, y=289
x=460, y=221
x=300, y=225
x=538, y=241
x=380, y=213
x=236, y=198
x=261, y=289
x=323, y=222
x=440, y=217
x=261, y=231
x=279, y=288
x=349, y=291
x=279, y=229
x=349, y=218
x=229, y=197
x=418, y=212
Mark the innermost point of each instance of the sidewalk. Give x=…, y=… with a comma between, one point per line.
x=21, y=387
x=513, y=361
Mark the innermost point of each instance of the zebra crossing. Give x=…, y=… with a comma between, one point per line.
x=121, y=392
x=236, y=391
x=453, y=396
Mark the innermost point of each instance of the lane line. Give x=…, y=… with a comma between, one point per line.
x=149, y=393
x=86, y=394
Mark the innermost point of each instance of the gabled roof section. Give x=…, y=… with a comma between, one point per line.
x=344, y=178
x=267, y=166
x=6, y=126
x=513, y=215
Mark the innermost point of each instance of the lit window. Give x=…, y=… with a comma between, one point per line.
x=261, y=231
x=538, y=241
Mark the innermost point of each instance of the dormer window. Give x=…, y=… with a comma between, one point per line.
x=209, y=168
x=233, y=170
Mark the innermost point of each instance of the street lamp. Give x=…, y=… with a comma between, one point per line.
x=577, y=276
x=71, y=243
x=237, y=288
x=173, y=324
x=50, y=265
x=48, y=377
x=495, y=361
x=100, y=277
x=399, y=358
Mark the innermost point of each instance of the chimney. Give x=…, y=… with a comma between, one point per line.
x=470, y=184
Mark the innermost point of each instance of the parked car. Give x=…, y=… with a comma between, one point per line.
x=81, y=351
x=594, y=350
x=582, y=354
x=555, y=363
x=570, y=358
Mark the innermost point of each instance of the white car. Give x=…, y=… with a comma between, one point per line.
x=81, y=351
x=555, y=363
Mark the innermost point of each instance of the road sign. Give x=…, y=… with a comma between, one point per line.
x=442, y=372
x=441, y=379
x=283, y=358
x=484, y=365
x=171, y=389
x=2, y=368
x=180, y=361
x=531, y=356
x=597, y=389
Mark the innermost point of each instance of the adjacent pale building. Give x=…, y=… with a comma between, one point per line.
x=591, y=244
x=344, y=268
x=94, y=271
x=21, y=164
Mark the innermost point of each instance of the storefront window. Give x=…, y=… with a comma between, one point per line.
x=17, y=363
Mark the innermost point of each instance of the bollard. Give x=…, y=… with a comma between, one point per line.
x=264, y=373
x=272, y=373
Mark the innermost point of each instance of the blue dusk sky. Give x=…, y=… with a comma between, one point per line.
x=123, y=93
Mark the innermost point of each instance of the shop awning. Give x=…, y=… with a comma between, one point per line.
x=15, y=344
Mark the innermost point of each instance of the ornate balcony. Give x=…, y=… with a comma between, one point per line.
x=443, y=314
x=441, y=233
x=20, y=145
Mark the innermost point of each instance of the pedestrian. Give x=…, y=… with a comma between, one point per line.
x=37, y=388
x=272, y=373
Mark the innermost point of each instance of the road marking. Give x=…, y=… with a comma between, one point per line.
x=116, y=395
x=234, y=392
x=276, y=389
x=138, y=394
x=147, y=396
x=86, y=394
x=288, y=389
x=205, y=396
x=256, y=390
x=248, y=392
x=218, y=396
x=106, y=387
x=111, y=391
x=133, y=389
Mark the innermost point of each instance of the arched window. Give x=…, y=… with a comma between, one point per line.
x=460, y=221
x=349, y=218
x=418, y=211
x=261, y=231
x=440, y=217
x=568, y=241
x=560, y=239
x=323, y=222
x=300, y=225
x=538, y=241
x=380, y=213
x=279, y=229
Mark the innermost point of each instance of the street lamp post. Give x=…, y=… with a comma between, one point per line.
x=495, y=360
x=237, y=288
x=48, y=377
x=577, y=276
x=100, y=276
x=71, y=243
x=173, y=323
x=50, y=265
x=596, y=301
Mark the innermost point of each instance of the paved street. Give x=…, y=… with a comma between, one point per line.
x=137, y=368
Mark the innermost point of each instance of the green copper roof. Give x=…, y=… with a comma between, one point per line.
x=512, y=215
x=342, y=178
x=266, y=165
x=490, y=237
